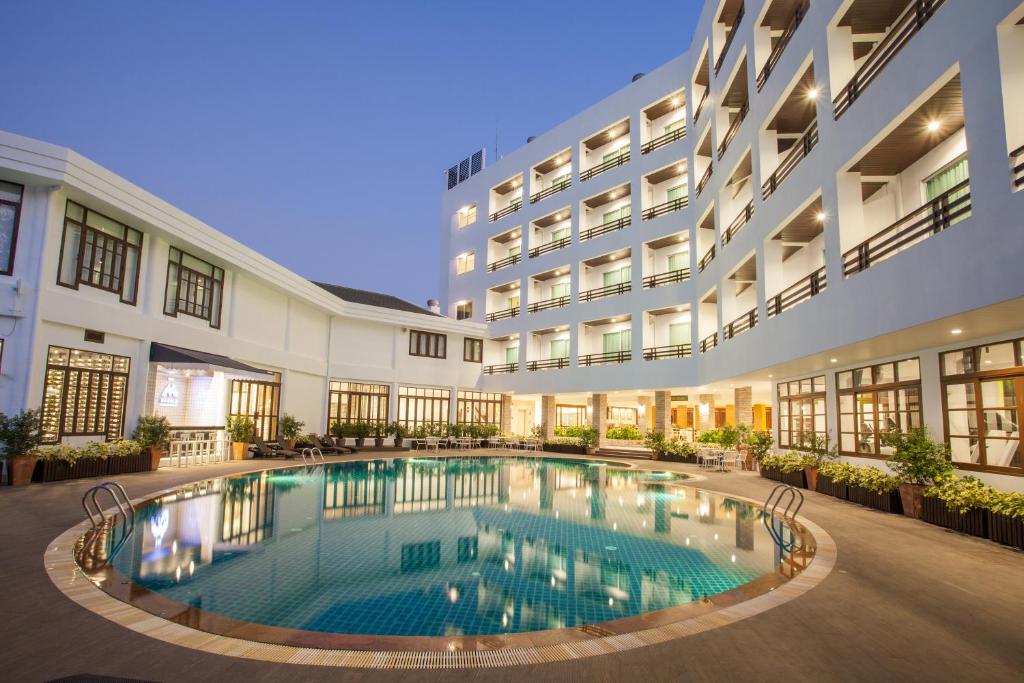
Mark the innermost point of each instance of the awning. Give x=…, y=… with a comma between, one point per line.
x=165, y=353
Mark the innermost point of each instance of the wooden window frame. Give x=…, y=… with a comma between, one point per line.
x=876, y=388
x=212, y=307
x=789, y=399
x=17, y=223
x=464, y=310
x=471, y=403
x=364, y=394
x=99, y=236
x=471, y=347
x=108, y=422
x=266, y=420
x=440, y=343
x=570, y=407
x=437, y=398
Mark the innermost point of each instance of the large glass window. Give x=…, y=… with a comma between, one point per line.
x=876, y=399
x=428, y=344
x=618, y=276
x=982, y=387
x=99, y=252
x=357, y=402
x=614, y=342
x=622, y=416
x=10, y=216
x=801, y=412
x=478, y=408
x=466, y=215
x=570, y=416
x=473, y=350
x=465, y=262
x=463, y=311
x=84, y=394
x=423, y=406
x=559, y=348
x=260, y=401
x=194, y=287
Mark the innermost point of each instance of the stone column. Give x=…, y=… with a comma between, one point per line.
x=547, y=410
x=705, y=421
x=744, y=402
x=663, y=412
x=506, y=413
x=599, y=418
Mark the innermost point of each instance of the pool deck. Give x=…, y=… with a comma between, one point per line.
x=906, y=601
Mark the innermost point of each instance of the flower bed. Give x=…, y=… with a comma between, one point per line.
x=970, y=506
x=94, y=459
x=886, y=501
x=973, y=521
x=784, y=468
x=832, y=488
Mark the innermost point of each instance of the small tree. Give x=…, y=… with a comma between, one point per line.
x=19, y=434
x=240, y=428
x=916, y=459
x=152, y=431
x=290, y=427
x=760, y=444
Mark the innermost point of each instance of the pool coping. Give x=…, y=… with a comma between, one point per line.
x=392, y=652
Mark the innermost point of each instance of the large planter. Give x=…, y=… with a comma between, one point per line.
x=155, y=455
x=398, y=442
x=791, y=478
x=378, y=441
x=911, y=495
x=973, y=522
x=128, y=464
x=238, y=450
x=20, y=469
x=565, y=448
x=360, y=441
x=811, y=477
x=886, y=502
x=824, y=484
x=51, y=469
x=1006, y=530
x=672, y=457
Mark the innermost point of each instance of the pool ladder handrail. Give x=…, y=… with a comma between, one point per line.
x=97, y=516
x=771, y=507
x=312, y=453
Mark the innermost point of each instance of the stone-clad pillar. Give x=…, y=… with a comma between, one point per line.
x=506, y=413
x=599, y=418
x=547, y=411
x=663, y=412
x=744, y=402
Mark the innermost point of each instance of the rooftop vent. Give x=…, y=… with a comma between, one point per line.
x=531, y=139
x=434, y=306
x=638, y=76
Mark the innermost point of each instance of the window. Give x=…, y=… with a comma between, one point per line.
x=357, y=402
x=617, y=277
x=679, y=261
x=876, y=399
x=676, y=193
x=615, y=342
x=478, y=408
x=801, y=411
x=570, y=416
x=673, y=126
x=513, y=301
x=422, y=406
x=559, y=348
x=473, y=350
x=560, y=179
x=561, y=233
x=622, y=416
x=464, y=263
x=615, y=154
x=10, y=216
x=428, y=344
x=512, y=355
x=559, y=290
x=260, y=401
x=99, y=252
x=678, y=334
x=194, y=287
x=515, y=250
x=466, y=215
x=84, y=394
x=615, y=214
x=981, y=389
x=950, y=176
x=463, y=311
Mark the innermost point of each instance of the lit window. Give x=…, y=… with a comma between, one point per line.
x=10, y=212
x=99, y=252
x=429, y=344
x=464, y=310
x=84, y=394
x=473, y=350
x=194, y=287
x=465, y=262
x=466, y=216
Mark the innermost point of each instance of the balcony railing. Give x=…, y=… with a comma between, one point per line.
x=705, y=178
x=607, y=290
x=737, y=224
x=663, y=352
x=507, y=211
x=700, y=105
x=734, y=128
x=662, y=140
x=554, y=189
x=709, y=342
x=792, y=159
x=553, y=245
x=912, y=20
x=504, y=263
x=801, y=290
x=617, y=160
x=666, y=207
x=1017, y=166
x=556, y=302
x=780, y=45
x=606, y=358
x=667, y=278
x=502, y=315
x=610, y=226
x=740, y=324
x=706, y=259
x=940, y=213
x=503, y=369
x=549, y=364
x=728, y=40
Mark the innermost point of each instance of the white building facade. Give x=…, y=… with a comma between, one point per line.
x=810, y=220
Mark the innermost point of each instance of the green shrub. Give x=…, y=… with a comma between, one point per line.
x=152, y=431
x=19, y=434
x=94, y=449
x=785, y=462
x=839, y=472
x=760, y=444
x=916, y=458
x=624, y=433
x=240, y=428
x=875, y=480
x=710, y=436
x=962, y=494
x=1009, y=504
x=289, y=427
x=656, y=441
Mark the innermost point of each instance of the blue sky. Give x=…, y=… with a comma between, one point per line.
x=317, y=132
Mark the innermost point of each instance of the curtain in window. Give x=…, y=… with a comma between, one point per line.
x=677, y=192
x=679, y=333
x=614, y=277
x=678, y=261
x=943, y=180
x=560, y=348
x=561, y=289
x=561, y=233
x=512, y=354
x=617, y=341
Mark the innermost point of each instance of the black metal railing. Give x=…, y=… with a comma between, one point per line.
x=667, y=278
x=734, y=128
x=503, y=369
x=554, y=189
x=507, y=211
x=932, y=218
x=666, y=207
x=672, y=351
x=741, y=324
x=549, y=364
x=1017, y=166
x=912, y=20
x=662, y=140
x=737, y=224
x=706, y=259
x=705, y=178
x=553, y=245
x=780, y=45
x=792, y=159
x=502, y=315
x=709, y=342
x=731, y=33
x=617, y=160
x=504, y=263
x=607, y=290
x=700, y=105
x=555, y=302
x=801, y=290
x=606, y=358
x=610, y=226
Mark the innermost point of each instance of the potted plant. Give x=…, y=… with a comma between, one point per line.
x=240, y=430
x=657, y=443
x=377, y=429
x=360, y=430
x=337, y=431
x=20, y=438
x=818, y=453
x=1006, y=518
x=399, y=431
x=874, y=488
x=154, y=433
x=917, y=462
x=759, y=444
x=588, y=440
x=958, y=503
x=290, y=429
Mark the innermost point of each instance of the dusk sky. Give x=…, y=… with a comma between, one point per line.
x=317, y=132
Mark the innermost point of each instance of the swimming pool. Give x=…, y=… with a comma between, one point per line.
x=440, y=547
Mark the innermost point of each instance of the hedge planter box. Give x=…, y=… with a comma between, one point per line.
x=567, y=448
x=126, y=464
x=1006, y=530
x=830, y=488
x=50, y=469
x=670, y=457
x=973, y=522
x=886, y=502
x=791, y=478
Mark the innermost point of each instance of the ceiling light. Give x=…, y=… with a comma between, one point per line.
x=611, y=133
x=613, y=194
x=933, y=126
x=676, y=101
x=820, y=216
x=770, y=376
x=680, y=168
x=812, y=94
x=515, y=234
x=679, y=309
x=558, y=160
x=833, y=360
x=558, y=216
x=956, y=330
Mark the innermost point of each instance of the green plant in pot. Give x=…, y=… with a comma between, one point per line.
x=20, y=437
x=657, y=443
x=290, y=429
x=759, y=445
x=399, y=432
x=240, y=430
x=360, y=430
x=154, y=433
x=819, y=451
x=918, y=462
x=337, y=432
x=377, y=430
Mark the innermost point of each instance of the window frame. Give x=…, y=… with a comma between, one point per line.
x=214, y=287
x=95, y=377
x=876, y=388
x=469, y=403
x=437, y=398
x=801, y=397
x=566, y=408
x=464, y=310
x=265, y=420
x=472, y=346
x=84, y=228
x=440, y=344
x=342, y=391
x=17, y=223
x=468, y=261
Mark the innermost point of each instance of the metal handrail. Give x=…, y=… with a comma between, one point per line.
x=700, y=105
x=604, y=228
x=728, y=39
x=709, y=342
x=605, y=358
x=118, y=496
x=507, y=211
x=780, y=45
x=553, y=245
x=663, y=139
x=502, y=369
x=502, y=315
x=799, y=291
x=666, y=207
x=312, y=453
x=796, y=154
x=669, y=351
x=1017, y=166
x=706, y=259
x=734, y=128
x=548, y=363
x=554, y=189
x=554, y=302
x=741, y=324
x=607, y=290
x=771, y=511
x=705, y=178
x=617, y=160
x=666, y=278
x=504, y=263
x=742, y=219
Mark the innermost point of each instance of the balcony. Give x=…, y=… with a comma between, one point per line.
x=556, y=302
x=504, y=263
x=606, y=291
x=1017, y=167
x=609, y=148
x=734, y=127
x=799, y=291
x=667, y=190
x=662, y=140
x=506, y=198
x=706, y=259
x=869, y=18
x=664, y=352
x=666, y=207
x=664, y=122
x=553, y=245
x=553, y=190
x=667, y=278
x=606, y=212
x=605, y=228
x=503, y=369
x=701, y=83
x=741, y=324
x=709, y=342
x=705, y=178
x=507, y=211
x=792, y=159
x=700, y=105
x=503, y=314
x=731, y=16
x=607, y=358
x=610, y=163
x=774, y=19
x=548, y=364
x=737, y=224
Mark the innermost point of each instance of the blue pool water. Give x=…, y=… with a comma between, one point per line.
x=436, y=547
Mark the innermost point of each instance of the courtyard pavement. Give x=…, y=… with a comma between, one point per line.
x=907, y=601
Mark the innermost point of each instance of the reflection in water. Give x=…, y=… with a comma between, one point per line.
x=446, y=547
